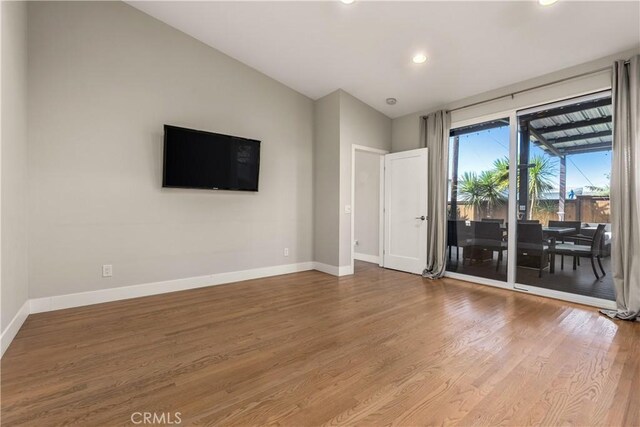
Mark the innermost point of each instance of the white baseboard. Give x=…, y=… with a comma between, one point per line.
x=326, y=268
x=13, y=327
x=334, y=270
x=367, y=258
x=39, y=305
x=345, y=270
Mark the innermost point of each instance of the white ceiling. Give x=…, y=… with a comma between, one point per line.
x=366, y=48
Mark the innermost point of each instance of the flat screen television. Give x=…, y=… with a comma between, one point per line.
x=206, y=160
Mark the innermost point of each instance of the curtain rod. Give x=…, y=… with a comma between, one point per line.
x=512, y=94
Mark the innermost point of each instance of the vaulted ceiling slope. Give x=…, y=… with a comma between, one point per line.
x=366, y=48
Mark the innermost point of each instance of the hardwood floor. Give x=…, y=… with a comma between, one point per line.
x=305, y=349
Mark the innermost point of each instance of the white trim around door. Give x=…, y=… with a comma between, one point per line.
x=354, y=148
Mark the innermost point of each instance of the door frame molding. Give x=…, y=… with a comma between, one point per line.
x=381, y=153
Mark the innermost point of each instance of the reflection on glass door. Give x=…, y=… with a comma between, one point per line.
x=563, y=230
x=478, y=200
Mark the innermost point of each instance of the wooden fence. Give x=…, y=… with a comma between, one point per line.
x=592, y=209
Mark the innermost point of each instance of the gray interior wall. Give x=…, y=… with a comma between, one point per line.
x=104, y=78
x=405, y=132
x=406, y=129
x=341, y=120
x=326, y=165
x=366, y=209
x=360, y=124
x=13, y=214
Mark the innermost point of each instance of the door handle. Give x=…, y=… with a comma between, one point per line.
x=421, y=217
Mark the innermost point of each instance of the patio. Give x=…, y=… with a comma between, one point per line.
x=548, y=138
x=580, y=282
x=561, y=132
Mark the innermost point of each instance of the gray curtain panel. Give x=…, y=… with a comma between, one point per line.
x=435, y=136
x=625, y=189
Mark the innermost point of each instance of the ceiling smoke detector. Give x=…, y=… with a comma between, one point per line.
x=392, y=101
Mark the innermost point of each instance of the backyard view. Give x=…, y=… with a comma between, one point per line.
x=562, y=199
x=483, y=194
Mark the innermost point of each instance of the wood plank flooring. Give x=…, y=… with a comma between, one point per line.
x=377, y=348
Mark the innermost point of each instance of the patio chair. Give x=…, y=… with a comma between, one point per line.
x=576, y=225
x=531, y=243
x=592, y=251
x=488, y=236
x=528, y=221
x=458, y=235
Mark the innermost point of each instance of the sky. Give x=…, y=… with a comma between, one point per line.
x=479, y=150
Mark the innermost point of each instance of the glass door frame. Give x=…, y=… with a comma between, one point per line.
x=511, y=283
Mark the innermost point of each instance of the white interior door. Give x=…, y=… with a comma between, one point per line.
x=405, y=211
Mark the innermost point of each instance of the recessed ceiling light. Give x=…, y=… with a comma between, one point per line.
x=347, y=1
x=546, y=2
x=419, y=58
x=392, y=101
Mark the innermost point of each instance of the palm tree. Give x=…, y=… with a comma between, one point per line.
x=492, y=190
x=540, y=173
x=480, y=190
x=470, y=190
x=489, y=187
x=501, y=171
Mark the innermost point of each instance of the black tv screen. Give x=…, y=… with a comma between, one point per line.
x=206, y=160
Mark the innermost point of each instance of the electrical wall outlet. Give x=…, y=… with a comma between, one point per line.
x=286, y=251
x=107, y=270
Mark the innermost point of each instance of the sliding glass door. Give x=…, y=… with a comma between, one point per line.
x=478, y=199
x=564, y=164
x=528, y=201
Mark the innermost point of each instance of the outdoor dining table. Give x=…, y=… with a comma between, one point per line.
x=552, y=234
